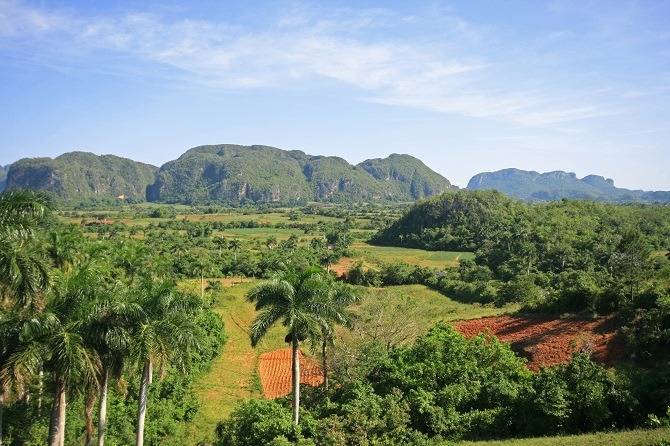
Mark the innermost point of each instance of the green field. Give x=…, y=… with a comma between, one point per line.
x=655, y=437
x=387, y=254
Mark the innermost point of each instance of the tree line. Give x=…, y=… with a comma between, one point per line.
x=78, y=315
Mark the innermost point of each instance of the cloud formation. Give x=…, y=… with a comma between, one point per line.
x=451, y=68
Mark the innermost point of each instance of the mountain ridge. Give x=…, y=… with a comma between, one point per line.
x=529, y=185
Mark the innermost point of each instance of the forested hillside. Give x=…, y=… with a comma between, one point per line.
x=231, y=173
x=552, y=186
x=83, y=175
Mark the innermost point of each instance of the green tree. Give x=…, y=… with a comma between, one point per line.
x=221, y=243
x=304, y=302
x=165, y=334
x=235, y=245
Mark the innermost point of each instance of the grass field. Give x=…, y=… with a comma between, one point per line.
x=233, y=375
x=655, y=437
x=386, y=254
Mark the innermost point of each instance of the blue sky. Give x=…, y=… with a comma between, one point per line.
x=466, y=86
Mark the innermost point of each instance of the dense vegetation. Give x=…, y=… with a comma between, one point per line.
x=551, y=186
x=230, y=173
x=100, y=280
x=82, y=175
x=81, y=327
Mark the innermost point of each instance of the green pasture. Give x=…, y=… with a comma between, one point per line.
x=639, y=437
x=387, y=254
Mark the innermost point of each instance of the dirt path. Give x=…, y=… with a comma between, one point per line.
x=230, y=378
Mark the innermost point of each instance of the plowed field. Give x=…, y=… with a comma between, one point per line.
x=274, y=369
x=547, y=341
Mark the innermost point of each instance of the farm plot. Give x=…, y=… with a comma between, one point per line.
x=274, y=369
x=549, y=341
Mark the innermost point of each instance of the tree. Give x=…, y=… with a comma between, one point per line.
x=235, y=245
x=340, y=297
x=54, y=338
x=106, y=329
x=630, y=262
x=220, y=243
x=304, y=302
x=164, y=335
x=202, y=264
x=23, y=271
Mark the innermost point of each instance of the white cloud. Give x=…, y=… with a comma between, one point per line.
x=454, y=73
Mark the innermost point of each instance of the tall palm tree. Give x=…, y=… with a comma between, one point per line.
x=220, y=242
x=106, y=329
x=166, y=334
x=24, y=274
x=341, y=297
x=303, y=302
x=235, y=245
x=202, y=263
x=54, y=338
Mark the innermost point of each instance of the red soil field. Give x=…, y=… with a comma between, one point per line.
x=549, y=341
x=274, y=369
x=343, y=266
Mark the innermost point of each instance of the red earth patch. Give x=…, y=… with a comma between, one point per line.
x=549, y=341
x=274, y=369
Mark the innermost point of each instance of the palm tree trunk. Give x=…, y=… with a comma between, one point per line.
x=142, y=404
x=324, y=352
x=296, y=378
x=39, y=391
x=57, y=422
x=88, y=414
x=2, y=409
x=102, y=411
x=202, y=284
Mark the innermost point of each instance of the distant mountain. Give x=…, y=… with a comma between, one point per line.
x=551, y=186
x=3, y=176
x=233, y=173
x=82, y=175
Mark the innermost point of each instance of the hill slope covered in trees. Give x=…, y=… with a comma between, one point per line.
x=82, y=175
x=232, y=173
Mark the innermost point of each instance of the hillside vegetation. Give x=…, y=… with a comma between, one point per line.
x=552, y=186
x=231, y=173
x=82, y=175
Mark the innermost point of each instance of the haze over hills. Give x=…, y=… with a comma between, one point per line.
x=230, y=173
x=533, y=186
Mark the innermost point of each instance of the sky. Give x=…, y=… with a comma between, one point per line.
x=466, y=86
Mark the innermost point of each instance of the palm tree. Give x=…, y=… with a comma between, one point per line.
x=106, y=329
x=235, y=245
x=303, y=301
x=24, y=274
x=54, y=338
x=220, y=243
x=202, y=264
x=341, y=296
x=23, y=271
x=165, y=334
